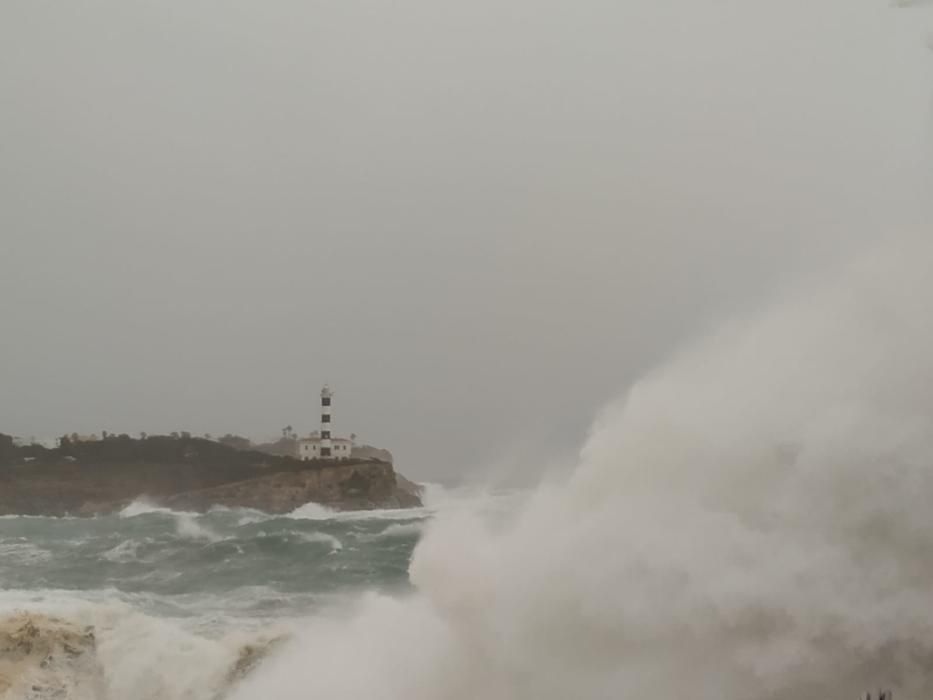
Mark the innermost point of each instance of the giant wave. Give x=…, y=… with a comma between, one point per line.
x=751, y=521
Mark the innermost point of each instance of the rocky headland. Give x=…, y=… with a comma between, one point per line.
x=103, y=476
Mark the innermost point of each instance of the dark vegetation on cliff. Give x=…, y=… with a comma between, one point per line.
x=152, y=449
x=100, y=476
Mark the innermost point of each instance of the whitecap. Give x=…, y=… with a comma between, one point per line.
x=322, y=537
x=402, y=530
x=24, y=553
x=187, y=527
x=125, y=654
x=385, y=514
x=143, y=506
x=312, y=511
x=122, y=553
x=247, y=516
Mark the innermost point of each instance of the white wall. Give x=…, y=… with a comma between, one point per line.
x=311, y=449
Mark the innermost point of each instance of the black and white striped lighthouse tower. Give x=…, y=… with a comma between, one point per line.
x=327, y=450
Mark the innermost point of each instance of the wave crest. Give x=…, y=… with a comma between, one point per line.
x=121, y=654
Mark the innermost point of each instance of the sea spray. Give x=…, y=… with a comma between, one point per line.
x=322, y=538
x=312, y=511
x=181, y=606
x=109, y=651
x=751, y=521
x=143, y=506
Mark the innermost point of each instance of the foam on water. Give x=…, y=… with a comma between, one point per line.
x=403, y=530
x=124, y=552
x=70, y=648
x=312, y=511
x=324, y=538
x=143, y=506
x=187, y=526
x=188, y=615
x=23, y=553
x=315, y=511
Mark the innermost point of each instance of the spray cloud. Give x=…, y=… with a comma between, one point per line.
x=752, y=521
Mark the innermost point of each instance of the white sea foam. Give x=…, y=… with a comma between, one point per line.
x=751, y=521
x=312, y=511
x=315, y=511
x=124, y=552
x=187, y=524
x=323, y=538
x=136, y=655
x=143, y=506
x=23, y=553
x=245, y=516
x=402, y=530
x=188, y=527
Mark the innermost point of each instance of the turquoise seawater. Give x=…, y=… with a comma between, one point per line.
x=246, y=562
x=177, y=600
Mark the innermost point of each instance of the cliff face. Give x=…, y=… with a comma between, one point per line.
x=194, y=474
x=340, y=486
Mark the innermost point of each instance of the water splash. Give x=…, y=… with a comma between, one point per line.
x=143, y=506
x=188, y=527
x=312, y=511
x=751, y=521
x=104, y=652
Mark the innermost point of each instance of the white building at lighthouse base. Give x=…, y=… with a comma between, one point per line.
x=310, y=448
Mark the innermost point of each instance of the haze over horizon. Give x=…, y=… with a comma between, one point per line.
x=479, y=222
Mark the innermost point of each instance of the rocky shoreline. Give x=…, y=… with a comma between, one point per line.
x=102, y=477
x=42, y=656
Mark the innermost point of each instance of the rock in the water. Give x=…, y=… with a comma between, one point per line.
x=43, y=657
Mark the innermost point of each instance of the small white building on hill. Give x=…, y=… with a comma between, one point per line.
x=310, y=448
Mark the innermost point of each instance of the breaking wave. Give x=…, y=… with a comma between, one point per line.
x=312, y=511
x=187, y=526
x=320, y=537
x=143, y=506
x=111, y=651
x=24, y=553
x=159, y=604
x=751, y=521
x=124, y=552
x=403, y=530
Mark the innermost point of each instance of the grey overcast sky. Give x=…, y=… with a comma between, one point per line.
x=478, y=220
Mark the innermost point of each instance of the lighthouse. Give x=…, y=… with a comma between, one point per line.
x=324, y=444
x=327, y=446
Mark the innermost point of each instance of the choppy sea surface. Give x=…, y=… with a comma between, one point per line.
x=180, y=603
